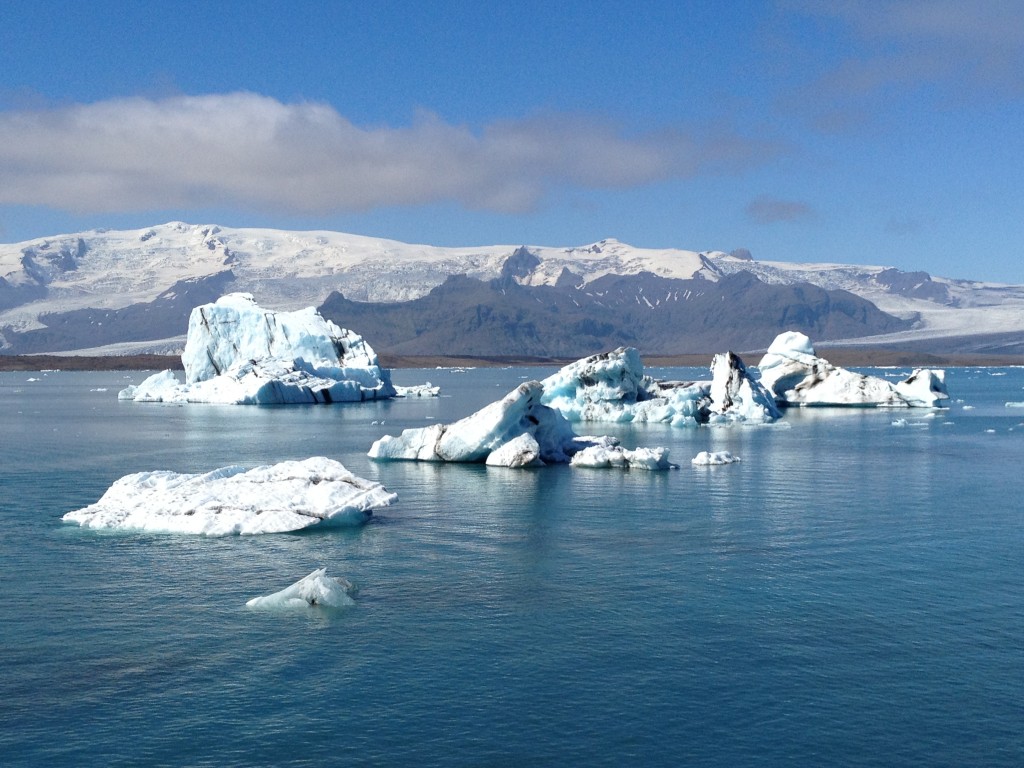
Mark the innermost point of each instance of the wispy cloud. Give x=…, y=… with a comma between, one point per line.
x=971, y=48
x=769, y=210
x=251, y=150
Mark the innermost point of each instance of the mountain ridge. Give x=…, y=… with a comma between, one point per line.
x=129, y=290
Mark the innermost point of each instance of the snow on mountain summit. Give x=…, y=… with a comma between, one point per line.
x=289, y=270
x=103, y=271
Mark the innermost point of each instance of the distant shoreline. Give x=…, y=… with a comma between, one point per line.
x=866, y=357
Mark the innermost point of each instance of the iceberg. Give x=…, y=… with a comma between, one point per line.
x=316, y=590
x=516, y=431
x=488, y=435
x=612, y=387
x=275, y=498
x=238, y=353
x=713, y=459
x=797, y=377
x=736, y=396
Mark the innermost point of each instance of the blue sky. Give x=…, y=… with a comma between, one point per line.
x=869, y=132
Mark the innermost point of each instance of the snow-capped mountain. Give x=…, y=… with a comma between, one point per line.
x=129, y=290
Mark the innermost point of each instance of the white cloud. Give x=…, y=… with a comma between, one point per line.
x=250, y=150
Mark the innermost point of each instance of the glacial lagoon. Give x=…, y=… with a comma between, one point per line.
x=849, y=593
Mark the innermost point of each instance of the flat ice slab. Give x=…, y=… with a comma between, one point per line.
x=234, y=500
x=316, y=590
x=713, y=459
x=614, y=456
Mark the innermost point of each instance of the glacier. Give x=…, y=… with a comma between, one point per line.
x=288, y=496
x=239, y=353
x=315, y=590
x=516, y=431
x=612, y=387
x=798, y=377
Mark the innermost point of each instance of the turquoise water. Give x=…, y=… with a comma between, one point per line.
x=850, y=593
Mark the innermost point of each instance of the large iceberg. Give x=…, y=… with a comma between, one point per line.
x=798, y=377
x=234, y=500
x=237, y=352
x=612, y=387
x=516, y=431
x=316, y=590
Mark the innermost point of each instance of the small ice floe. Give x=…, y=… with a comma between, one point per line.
x=713, y=458
x=318, y=590
x=990, y=431
x=614, y=456
x=276, y=498
x=968, y=407
x=1015, y=405
x=899, y=422
x=418, y=390
x=33, y=378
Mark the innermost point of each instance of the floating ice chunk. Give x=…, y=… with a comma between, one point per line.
x=899, y=422
x=316, y=590
x=796, y=376
x=601, y=457
x=418, y=390
x=236, y=352
x=476, y=437
x=233, y=500
x=924, y=388
x=521, y=451
x=516, y=431
x=1015, y=405
x=713, y=458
